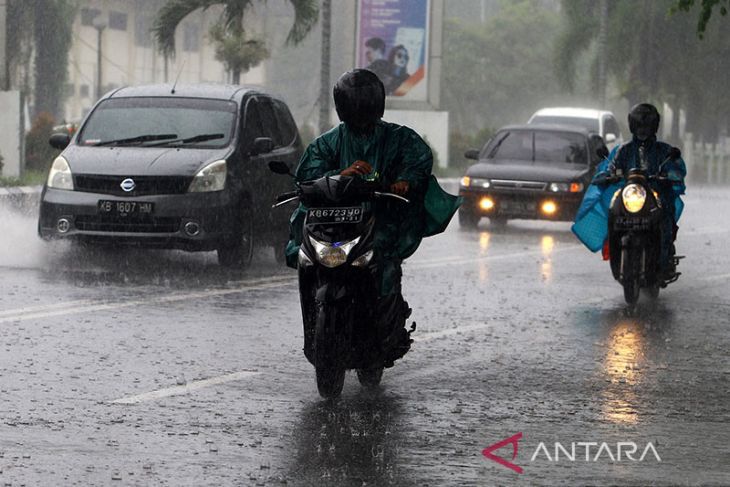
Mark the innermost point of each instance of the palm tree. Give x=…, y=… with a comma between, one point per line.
x=234, y=48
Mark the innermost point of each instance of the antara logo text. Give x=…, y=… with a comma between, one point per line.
x=580, y=451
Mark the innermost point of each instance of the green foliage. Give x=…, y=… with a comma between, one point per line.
x=706, y=8
x=499, y=72
x=460, y=143
x=654, y=56
x=234, y=48
x=38, y=153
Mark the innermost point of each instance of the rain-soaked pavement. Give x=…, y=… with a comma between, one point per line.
x=157, y=368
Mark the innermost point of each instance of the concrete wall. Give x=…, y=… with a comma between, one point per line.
x=11, y=133
x=431, y=125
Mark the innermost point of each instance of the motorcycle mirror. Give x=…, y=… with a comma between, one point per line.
x=602, y=152
x=279, y=167
x=675, y=153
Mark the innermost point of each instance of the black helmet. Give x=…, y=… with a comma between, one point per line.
x=359, y=98
x=643, y=120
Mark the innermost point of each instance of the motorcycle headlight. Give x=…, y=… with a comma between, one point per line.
x=60, y=177
x=634, y=197
x=332, y=254
x=211, y=178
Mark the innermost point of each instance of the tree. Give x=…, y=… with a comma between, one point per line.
x=234, y=47
x=706, y=8
x=652, y=56
x=499, y=72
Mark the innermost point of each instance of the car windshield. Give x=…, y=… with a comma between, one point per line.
x=541, y=146
x=590, y=124
x=150, y=120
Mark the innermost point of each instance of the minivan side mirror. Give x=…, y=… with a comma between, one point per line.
x=262, y=145
x=59, y=141
x=472, y=154
x=610, y=138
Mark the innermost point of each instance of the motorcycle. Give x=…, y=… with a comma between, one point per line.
x=635, y=229
x=338, y=282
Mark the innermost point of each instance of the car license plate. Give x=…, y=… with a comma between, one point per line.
x=125, y=208
x=519, y=207
x=335, y=215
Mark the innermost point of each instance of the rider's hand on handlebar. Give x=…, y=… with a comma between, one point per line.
x=358, y=168
x=400, y=187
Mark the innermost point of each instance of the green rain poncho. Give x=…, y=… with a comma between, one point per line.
x=397, y=153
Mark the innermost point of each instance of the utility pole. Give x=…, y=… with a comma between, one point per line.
x=602, y=51
x=99, y=24
x=4, y=82
x=324, y=73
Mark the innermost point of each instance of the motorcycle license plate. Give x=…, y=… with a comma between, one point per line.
x=125, y=208
x=631, y=223
x=335, y=215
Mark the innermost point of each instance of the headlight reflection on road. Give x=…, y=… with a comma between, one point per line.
x=546, y=269
x=621, y=368
x=483, y=249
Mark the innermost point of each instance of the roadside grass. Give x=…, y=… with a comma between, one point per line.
x=29, y=178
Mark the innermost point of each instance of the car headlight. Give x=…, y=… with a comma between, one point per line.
x=211, y=178
x=60, y=177
x=332, y=254
x=634, y=197
x=469, y=182
x=559, y=187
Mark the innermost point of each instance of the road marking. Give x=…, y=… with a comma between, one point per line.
x=452, y=261
x=718, y=277
x=54, y=306
x=427, y=336
x=249, y=286
x=186, y=388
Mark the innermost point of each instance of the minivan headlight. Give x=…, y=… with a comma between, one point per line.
x=634, y=197
x=60, y=177
x=335, y=254
x=211, y=178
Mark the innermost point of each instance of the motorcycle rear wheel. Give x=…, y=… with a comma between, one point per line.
x=370, y=377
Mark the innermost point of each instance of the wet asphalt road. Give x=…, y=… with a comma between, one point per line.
x=157, y=368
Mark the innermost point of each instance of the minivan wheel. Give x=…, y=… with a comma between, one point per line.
x=279, y=253
x=239, y=253
x=468, y=219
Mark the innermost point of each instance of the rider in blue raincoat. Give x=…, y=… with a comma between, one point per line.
x=591, y=222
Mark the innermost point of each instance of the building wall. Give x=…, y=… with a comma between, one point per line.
x=129, y=56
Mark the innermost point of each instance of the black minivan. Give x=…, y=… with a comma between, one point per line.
x=180, y=167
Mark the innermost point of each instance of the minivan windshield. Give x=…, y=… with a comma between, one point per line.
x=590, y=124
x=539, y=146
x=154, y=121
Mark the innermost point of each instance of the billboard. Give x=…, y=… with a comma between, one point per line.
x=392, y=41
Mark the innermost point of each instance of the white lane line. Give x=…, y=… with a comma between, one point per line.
x=185, y=389
x=427, y=336
x=515, y=255
x=250, y=286
x=54, y=306
x=718, y=277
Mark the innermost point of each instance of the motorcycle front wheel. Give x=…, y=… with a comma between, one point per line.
x=370, y=377
x=330, y=371
x=631, y=270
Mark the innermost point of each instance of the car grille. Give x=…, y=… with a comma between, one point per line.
x=95, y=223
x=144, y=185
x=524, y=185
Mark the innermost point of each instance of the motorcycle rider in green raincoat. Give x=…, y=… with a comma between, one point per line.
x=364, y=145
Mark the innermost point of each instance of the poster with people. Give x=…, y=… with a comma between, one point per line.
x=392, y=42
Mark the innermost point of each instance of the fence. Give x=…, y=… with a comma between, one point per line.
x=707, y=163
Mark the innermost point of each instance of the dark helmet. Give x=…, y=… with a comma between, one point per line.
x=643, y=120
x=359, y=98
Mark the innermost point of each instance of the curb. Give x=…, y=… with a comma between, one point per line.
x=20, y=190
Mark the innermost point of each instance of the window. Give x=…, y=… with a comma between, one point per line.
x=191, y=37
x=88, y=15
x=287, y=127
x=251, y=124
x=611, y=127
x=268, y=121
x=117, y=20
x=558, y=147
x=142, y=35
